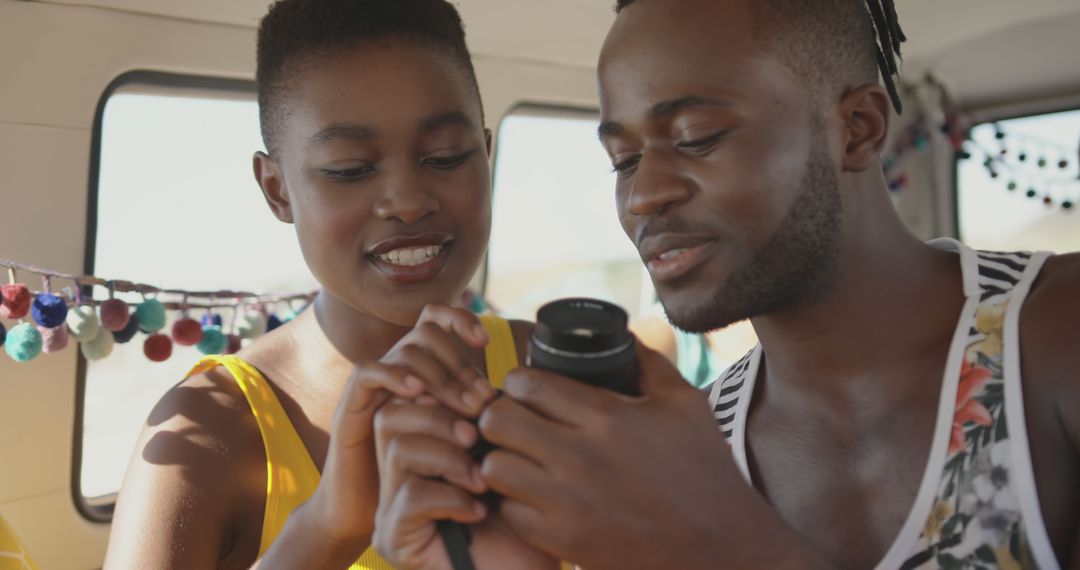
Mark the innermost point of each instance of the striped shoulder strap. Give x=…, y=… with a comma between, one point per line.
x=726, y=392
x=501, y=353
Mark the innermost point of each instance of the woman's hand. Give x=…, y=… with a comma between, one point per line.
x=430, y=361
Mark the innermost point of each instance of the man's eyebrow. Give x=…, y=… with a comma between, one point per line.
x=350, y=131
x=450, y=118
x=661, y=110
x=670, y=107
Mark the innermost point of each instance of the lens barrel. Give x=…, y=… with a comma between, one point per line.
x=588, y=340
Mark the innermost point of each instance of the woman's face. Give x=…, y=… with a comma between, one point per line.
x=381, y=164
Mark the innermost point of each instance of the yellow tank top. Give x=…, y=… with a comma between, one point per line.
x=291, y=475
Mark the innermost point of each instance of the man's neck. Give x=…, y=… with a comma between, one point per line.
x=893, y=297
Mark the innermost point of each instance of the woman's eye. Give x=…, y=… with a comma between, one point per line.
x=447, y=162
x=702, y=144
x=626, y=167
x=348, y=174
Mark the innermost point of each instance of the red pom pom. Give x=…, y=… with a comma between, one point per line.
x=187, y=332
x=158, y=348
x=114, y=315
x=16, y=301
x=235, y=344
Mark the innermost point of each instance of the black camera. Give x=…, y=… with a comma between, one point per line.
x=584, y=339
x=587, y=340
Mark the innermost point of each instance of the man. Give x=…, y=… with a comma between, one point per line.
x=882, y=421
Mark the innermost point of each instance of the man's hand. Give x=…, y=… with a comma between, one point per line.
x=609, y=481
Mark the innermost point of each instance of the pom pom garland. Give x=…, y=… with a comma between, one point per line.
x=213, y=341
x=114, y=315
x=251, y=325
x=51, y=320
x=24, y=343
x=273, y=323
x=16, y=301
x=99, y=347
x=234, y=345
x=54, y=340
x=125, y=335
x=151, y=315
x=158, y=348
x=49, y=311
x=187, y=332
x=83, y=323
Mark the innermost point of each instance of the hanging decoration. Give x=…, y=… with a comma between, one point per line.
x=1042, y=170
x=99, y=325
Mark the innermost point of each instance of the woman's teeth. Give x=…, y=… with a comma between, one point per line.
x=411, y=256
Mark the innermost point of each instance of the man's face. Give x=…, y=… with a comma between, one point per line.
x=725, y=178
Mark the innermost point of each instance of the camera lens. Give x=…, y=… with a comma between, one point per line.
x=588, y=340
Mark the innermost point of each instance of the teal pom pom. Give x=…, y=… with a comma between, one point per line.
x=24, y=343
x=49, y=310
x=100, y=346
x=83, y=323
x=289, y=315
x=151, y=314
x=213, y=341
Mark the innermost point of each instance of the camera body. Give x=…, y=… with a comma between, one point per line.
x=584, y=339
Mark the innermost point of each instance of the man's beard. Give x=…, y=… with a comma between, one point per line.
x=795, y=267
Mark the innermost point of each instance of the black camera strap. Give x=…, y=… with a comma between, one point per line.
x=457, y=539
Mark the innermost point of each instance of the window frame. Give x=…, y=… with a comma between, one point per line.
x=1016, y=110
x=527, y=109
x=100, y=509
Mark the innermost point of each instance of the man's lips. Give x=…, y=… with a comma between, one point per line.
x=669, y=257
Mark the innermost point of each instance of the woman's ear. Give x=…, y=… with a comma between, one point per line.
x=268, y=175
x=865, y=113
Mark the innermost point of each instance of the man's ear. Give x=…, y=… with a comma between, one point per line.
x=865, y=113
x=487, y=141
x=268, y=176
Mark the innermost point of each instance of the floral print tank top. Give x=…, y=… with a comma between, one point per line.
x=976, y=507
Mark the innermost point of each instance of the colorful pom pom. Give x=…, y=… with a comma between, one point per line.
x=209, y=320
x=273, y=323
x=83, y=323
x=125, y=335
x=53, y=339
x=49, y=310
x=16, y=301
x=251, y=325
x=114, y=315
x=290, y=315
x=235, y=344
x=187, y=332
x=99, y=347
x=151, y=315
x=158, y=348
x=24, y=343
x=213, y=341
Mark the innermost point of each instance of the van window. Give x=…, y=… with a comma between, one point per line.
x=177, y=207
x=555, y=231
x=1025, y=206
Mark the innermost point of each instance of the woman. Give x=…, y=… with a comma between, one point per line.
x=378, y=156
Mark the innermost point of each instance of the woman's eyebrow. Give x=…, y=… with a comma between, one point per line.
x=349, y=131
x=442, y=120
